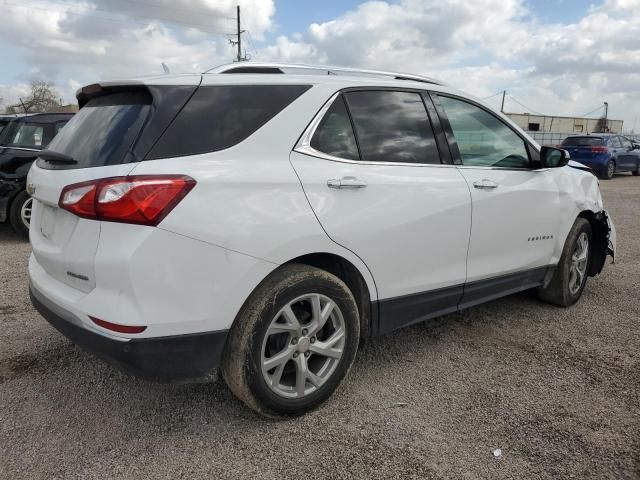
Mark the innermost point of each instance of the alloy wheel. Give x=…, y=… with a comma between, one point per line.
x=579, y=260
x=25, y=212
x=303, y=346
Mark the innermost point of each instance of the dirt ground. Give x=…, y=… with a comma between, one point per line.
x=557, y=390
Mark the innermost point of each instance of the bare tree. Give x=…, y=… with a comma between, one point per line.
x=42, y=98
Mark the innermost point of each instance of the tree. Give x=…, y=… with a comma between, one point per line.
x=42, y=98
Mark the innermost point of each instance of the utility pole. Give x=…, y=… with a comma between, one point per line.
x=504, y=93
x=238, y=41
x=606, y=113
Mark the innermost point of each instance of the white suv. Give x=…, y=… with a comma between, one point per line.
x=264, y=222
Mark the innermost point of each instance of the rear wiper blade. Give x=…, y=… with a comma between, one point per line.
x=55, y=157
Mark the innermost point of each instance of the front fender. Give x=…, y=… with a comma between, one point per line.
x=603, y=241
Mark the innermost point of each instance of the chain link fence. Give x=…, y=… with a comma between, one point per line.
x=549, y=138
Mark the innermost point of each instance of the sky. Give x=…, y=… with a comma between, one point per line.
x=563, y=57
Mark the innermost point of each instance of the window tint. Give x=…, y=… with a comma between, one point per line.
x=581, y=141
x=483, y=139
x=392, y=127
x=218, y=117
x=334, y=136
x=102, y=132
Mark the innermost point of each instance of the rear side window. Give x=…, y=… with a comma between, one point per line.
x=334, y=135
x=218, y=117
x=392, y=127
x=582, y=141
x=615, y=142
x=102, y=132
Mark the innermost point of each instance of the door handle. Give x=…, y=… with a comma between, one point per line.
x=485, y=184
x=346, y=182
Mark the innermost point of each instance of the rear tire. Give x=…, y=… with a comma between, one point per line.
x=610, y=171
x=274, y=360
x=636, y=172
x=570, y=277
x=20, y=213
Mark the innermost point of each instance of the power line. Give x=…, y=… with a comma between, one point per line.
x=524, y=106
x=491, y=96
x=174, y=9
x=593, y=111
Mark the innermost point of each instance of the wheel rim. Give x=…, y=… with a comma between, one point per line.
x=303, y=346
x=25, y=212
x=578, y=269
x=610, y=169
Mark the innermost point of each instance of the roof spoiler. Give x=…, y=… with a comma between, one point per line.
x=103, y=88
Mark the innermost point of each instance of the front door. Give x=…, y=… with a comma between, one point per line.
x=515, y=223
x=381, y=190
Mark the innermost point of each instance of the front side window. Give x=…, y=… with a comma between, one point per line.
x=392, y=127
x=483, y=139
x=626, y=143
x=615, y=142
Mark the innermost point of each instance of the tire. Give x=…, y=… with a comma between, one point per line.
x=20, y=213
x=562, y=290
x=610, y=170
x=636, y=172
x=252, y=343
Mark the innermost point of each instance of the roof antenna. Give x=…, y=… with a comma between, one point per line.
x=165, y=68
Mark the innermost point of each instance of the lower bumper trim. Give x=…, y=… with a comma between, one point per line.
x=179, y=358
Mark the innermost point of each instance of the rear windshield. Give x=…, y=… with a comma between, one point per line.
x=218, y=117
x=582, y=141
x=102, y=132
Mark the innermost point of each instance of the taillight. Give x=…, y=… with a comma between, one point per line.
x=599, y=149
x=139, y=199
x=115, y=327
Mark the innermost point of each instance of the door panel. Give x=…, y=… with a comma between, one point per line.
x=410, y=224
x=514, y=224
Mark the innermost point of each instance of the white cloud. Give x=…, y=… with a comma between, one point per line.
x=480, y=46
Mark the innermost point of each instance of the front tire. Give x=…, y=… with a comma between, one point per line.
x=20, y=213
x=293, y=341
x=570, y=277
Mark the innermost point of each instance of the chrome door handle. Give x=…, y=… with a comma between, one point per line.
x=485, y=184
x=346, y=182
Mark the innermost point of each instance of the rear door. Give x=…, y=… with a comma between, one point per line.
x=514, y=202
x=374, y=177
x=105, y=139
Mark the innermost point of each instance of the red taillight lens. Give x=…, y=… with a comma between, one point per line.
x=140, y=199
x=114, y=327
x=599, y=149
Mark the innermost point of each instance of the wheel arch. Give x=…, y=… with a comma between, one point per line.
x=346, y=271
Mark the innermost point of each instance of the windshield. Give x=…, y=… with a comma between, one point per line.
x=582, y=141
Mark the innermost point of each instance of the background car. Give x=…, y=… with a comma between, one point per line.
x=20, y=142
x=607, y=154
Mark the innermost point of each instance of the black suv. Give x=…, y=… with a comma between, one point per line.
x=20, y=142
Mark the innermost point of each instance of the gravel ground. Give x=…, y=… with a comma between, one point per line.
x=556, y=390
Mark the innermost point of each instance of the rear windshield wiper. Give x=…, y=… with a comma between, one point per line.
x=55, y=157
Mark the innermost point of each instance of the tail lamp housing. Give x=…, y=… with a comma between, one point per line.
x=599, y=149
x=137, y=199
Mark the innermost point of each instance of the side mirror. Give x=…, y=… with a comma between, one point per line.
x=552, y=157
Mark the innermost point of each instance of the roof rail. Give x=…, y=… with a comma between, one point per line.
x=255, y=67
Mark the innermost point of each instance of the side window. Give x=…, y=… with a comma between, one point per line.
x=392, y=127
x=626, y=143
x=483, y=139
x=615, y=142
x=334, y=136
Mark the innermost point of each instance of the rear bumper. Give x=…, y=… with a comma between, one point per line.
x=179, y=358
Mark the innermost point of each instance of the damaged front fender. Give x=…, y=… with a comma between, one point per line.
x=603, y=241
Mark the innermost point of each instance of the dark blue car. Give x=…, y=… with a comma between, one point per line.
x=605, y=153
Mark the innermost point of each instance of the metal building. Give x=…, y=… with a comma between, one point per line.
x=564, y=125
